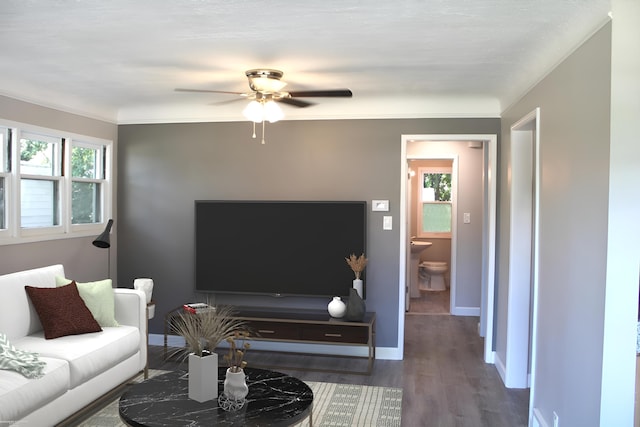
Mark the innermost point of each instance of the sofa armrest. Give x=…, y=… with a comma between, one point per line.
x=131, y=308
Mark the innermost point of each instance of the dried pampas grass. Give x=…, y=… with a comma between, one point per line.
x=357, y=264
x=204, y=331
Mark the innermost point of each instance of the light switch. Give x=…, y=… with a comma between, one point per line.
x=387, y=222
x=466, y=217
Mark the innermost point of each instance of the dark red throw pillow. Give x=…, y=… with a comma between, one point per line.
x=62, y=311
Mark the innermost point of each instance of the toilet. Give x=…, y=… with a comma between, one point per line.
x=433, y=272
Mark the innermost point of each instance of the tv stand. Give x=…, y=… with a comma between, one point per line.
x=304, y=326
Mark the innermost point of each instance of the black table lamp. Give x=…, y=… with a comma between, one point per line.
x=102, y=241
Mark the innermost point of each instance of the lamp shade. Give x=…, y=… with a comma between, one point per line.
x=253, y=111
x=102, y=241
x=272, y=112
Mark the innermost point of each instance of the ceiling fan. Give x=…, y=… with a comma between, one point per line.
x=267, y=90
x=267, y=84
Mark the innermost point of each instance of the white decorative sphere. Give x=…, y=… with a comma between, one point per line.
x=337, y=308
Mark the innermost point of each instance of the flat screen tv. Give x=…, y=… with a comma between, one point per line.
x=278, y=248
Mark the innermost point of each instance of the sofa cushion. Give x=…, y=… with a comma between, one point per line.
x=18, y=317
x=89, y=354
x=62, y=311
x=19, y=396
x=98, y=296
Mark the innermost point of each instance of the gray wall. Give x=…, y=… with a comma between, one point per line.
x=82, y=261
x=168, y=166
x=574, y=101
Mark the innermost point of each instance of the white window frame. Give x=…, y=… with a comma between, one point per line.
x=56, y=177
x=428, y=170
x=105, y=182
x=6, y=176
x=14, y=233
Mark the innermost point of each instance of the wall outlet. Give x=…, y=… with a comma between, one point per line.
x=556, y=419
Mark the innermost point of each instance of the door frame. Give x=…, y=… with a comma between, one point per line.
x=454, y=226
x=490, y=142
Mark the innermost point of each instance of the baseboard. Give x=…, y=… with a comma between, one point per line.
x=500, y=366
x=382, y=353
x=466, y=311
x=538, y=419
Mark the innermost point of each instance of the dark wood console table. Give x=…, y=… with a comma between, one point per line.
x=303, y=326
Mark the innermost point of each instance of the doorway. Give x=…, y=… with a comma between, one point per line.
x=482, y=303
x=515, y=356
x=432, y=195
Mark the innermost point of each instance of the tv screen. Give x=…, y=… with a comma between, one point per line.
x=277, y=248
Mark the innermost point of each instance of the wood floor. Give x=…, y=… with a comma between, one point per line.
x=444, y=379
x=430, y=302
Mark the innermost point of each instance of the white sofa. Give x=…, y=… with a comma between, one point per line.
x=79, y=368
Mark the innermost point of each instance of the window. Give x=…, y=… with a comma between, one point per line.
x=52, y=185
x=87, y=181
x=40, y=180
x=4, y=169
x=434, y=209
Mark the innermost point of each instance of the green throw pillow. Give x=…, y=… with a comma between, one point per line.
x=98, y=296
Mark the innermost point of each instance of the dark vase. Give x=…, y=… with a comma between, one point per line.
x=355, y=307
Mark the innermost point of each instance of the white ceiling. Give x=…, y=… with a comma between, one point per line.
x=120, y=60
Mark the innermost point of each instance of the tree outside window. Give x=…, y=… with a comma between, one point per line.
x=435, y=202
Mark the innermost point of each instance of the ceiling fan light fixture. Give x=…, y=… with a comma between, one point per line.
x=265, y=80
x=263, y=110
x=253, y=111
x=272, y=112
x=266, y=84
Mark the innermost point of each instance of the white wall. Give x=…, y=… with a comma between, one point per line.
x=579, y=160
x=623, y=244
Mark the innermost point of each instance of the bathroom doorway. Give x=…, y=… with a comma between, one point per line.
x=471, y=272
x=432, y=194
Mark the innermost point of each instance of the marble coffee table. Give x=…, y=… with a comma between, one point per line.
x=274, y=399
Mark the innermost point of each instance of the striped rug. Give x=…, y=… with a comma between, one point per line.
x=351, y=405
x=337, y=405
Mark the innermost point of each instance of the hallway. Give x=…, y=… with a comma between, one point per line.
x=445, y=381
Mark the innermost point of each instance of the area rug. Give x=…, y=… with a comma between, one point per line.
x=344, y=405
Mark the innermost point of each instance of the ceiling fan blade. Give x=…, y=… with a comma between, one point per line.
x=228, y=101
x=330, y=93
x=295, y=102
x=179, y=89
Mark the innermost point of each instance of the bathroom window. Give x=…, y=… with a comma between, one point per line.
x=434, y=208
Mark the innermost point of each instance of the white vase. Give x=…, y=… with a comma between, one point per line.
x=203, y=377
x=235, y=385
x=144, y=285
x=337, y=308
x=357, y=285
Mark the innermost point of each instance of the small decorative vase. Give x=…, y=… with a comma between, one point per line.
x=235, y=385
x=357, y=285
x=203, y=377
x=355, y=307
x=337, y=308
x=145, y=285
